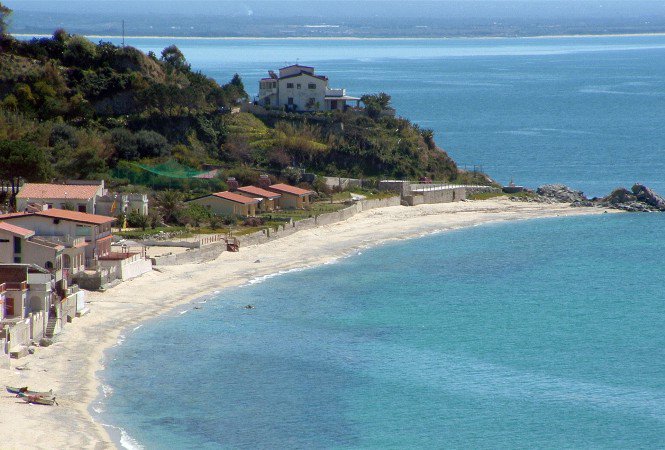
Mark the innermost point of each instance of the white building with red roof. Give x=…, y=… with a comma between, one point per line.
x=291, y=196
x=81, y=195
x=85, y=237
x=298, y=88
x=228, y=203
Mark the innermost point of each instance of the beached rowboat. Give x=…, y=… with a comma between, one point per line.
x=25, y=390
x=38, y=399
x=16, y=390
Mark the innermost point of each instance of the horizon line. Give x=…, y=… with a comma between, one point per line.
x=346, y=38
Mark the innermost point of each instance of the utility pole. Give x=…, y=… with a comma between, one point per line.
x=123, y=32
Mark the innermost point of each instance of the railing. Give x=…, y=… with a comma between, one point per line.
x=335, y=92
x=66, y=240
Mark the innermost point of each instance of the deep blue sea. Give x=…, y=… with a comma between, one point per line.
x=536, y=334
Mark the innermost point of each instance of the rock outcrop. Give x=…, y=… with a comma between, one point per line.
x=560, y=193
x=639, y=199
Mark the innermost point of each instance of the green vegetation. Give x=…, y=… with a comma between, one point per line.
x=73, y=109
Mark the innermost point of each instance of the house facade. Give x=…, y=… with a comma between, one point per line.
x=80, y=197
x=267, y=199
x=298, y=88
x=85, y=237
x=292, y=197
x=228, y=203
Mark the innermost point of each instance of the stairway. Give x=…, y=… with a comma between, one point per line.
x=50, y=327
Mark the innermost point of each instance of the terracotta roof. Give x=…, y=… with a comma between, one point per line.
x=253, y=190
x=10, y=215
x=281, y=187
x=75, y=216
x=63, y=191
x=23, y=232
x=235, y=197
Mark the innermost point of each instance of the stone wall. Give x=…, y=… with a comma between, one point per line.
x=4, y=353
x=37, y=325
x=92, y=281
x=195, y=255
x=342, y=183
x=481, y=190
x=19, y=335
x=320, y=220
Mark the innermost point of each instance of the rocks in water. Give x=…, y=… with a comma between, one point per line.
x=638, y=199
x=560, y=193
x=646, y=195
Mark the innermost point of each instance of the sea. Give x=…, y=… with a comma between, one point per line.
x=545, y=333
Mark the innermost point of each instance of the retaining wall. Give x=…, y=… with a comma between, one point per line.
x=37, y=325
x=202, y=254
x=4, y=354
x=19, y=334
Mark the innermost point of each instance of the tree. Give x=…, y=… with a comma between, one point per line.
x=169, y=204
x=375, y=103
x=4, y=16
x=174, y=58
x=22, y=160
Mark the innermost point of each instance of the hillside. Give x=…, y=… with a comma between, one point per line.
x=103, y=111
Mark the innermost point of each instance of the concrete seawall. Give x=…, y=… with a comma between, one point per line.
x=322, y=219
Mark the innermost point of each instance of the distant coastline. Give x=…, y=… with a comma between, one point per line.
x=348, y=38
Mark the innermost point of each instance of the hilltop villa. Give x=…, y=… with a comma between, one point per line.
x=297, y=88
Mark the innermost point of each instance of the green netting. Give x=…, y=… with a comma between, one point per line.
x=171, y=169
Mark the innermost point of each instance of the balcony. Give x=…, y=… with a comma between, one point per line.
x=65, y=240
x=335, y=92
x=16, y=286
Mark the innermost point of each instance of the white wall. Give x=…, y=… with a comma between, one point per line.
x=302, y=96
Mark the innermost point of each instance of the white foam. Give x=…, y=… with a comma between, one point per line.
x=129, y=442
x=107, y=390
x=183, y=312
x=121, y=340
x=263, y=278
x=126, y=441
x=137, y=327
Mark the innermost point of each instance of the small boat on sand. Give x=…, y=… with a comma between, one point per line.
x=38, y=399
x=16, y=390
x=26, y=391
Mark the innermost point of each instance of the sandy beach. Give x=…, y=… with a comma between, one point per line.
x=69, y=366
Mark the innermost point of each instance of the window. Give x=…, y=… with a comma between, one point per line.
x=290, y=101
x=299, y=86
x=48, y=265
x=289, y=85
x=17, y=245
x=82, y=208
x=17, y=259
x=311, y=85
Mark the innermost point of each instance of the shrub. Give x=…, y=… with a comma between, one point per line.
x=150, y=144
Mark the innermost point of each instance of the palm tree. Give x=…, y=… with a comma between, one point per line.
x=169, y=203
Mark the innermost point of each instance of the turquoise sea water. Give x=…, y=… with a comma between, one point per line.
x=538, y=334
x=545, y=333
x=587, y=112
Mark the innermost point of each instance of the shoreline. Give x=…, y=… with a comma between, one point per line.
x=70, y=366
x=348, y=38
